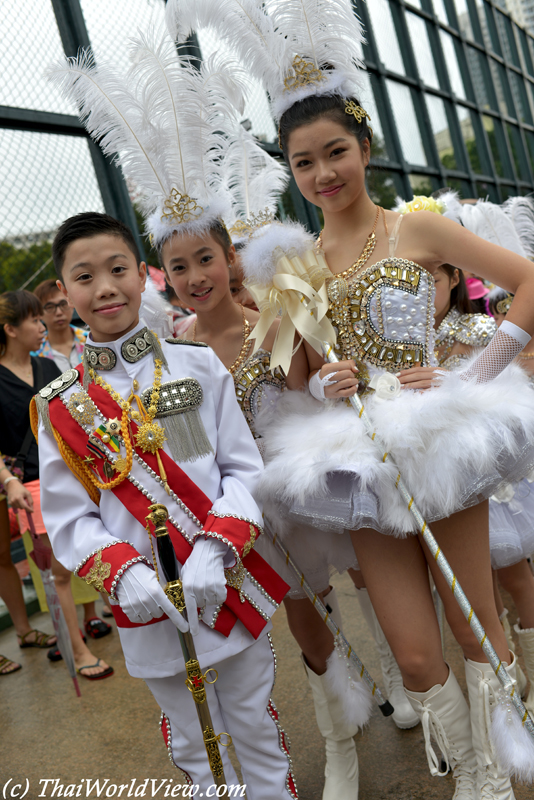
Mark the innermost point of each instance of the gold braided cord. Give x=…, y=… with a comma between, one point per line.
x=125, y=430
x=34, y=418
x=77, y=467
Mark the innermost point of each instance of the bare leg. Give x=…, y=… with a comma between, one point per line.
x=497, y=595
x=396, y=577
x=357, y=578
x=82, y=654
x=10, y=586
x=310, y=632
x=464, y=539
x=89, y=611
x=518, y=581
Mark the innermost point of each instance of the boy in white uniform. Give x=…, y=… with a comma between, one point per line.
x=101, y=437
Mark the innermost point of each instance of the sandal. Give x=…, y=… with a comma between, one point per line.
x=4, y=662
x=107, y=612
x=96, y=628
x=42, y=640
x=54, y=654
x=107, y=672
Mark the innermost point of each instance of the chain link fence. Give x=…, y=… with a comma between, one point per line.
x=46, y=177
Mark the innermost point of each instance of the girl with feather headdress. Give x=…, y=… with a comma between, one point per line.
x=164, y=122
x=321, y=467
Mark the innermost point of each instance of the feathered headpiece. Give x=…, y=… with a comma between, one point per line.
x=255, y=180
x=162, y=121
x=296, y=48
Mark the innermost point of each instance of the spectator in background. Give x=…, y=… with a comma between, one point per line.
x=14, y=491
x=62, y=341
x=21, y=376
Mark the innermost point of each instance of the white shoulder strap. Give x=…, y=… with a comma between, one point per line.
x=394, y=238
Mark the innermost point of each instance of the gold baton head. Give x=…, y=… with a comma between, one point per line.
x=158, y=517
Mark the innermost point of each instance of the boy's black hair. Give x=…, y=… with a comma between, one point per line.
x=85, y=226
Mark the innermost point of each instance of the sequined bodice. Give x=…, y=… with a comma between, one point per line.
x=256, y=385
x=384, y=316
x=474, y=330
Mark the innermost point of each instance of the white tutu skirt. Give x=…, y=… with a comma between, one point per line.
x=454, y=444
x=512, y=526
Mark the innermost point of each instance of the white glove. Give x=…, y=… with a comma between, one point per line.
x=142, y=598
x=316, y=384
x=203, y=578
x=507, y=343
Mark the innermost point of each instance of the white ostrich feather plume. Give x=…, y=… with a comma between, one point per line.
x=513, y=744
x=155, y=311
x=453, y=207
x=260, y=256
x=268, y=36
x=254, y=179
x=158, y=120
x=344, y=684
x=520, y=211
x=490, y=222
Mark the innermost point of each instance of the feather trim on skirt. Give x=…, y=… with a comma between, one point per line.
x=454, y=444
x=511, y=526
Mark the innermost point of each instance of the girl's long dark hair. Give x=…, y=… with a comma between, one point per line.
x=459, y=295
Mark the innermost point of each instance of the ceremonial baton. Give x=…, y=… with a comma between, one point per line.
x=195, y=679
x=443, y=564
x=346, y=648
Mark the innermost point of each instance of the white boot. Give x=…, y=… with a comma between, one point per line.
x=526, y=640
x=403, y=715
x=521, y=677
x=445, y=717
x=484, y=687
x=341, y=770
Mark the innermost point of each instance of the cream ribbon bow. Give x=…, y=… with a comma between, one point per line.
x=298, y=295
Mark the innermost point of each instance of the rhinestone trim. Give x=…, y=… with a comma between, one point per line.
x=165, y=721
x=283, y=739
x=236, y=516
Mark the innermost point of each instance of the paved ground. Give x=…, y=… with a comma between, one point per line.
x=112, y=731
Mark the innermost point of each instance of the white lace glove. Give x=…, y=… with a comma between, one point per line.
x=316, y=384
x=142, y=598
x=203, y=578
x=507, y=343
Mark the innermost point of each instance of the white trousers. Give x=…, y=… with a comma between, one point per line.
x=240, y=704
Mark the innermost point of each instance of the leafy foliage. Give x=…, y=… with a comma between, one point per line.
x=18, y=264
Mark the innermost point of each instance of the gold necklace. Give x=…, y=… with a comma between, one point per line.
x=365, y=254
x=526, y=355
x=245, y=343
x=150, y=437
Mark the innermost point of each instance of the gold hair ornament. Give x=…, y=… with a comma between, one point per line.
x=503, y=306
x=248, y=226
x=305, y=73
x=357, y=112
x=180, y=208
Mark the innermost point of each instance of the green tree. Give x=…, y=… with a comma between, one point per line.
x=19, y=264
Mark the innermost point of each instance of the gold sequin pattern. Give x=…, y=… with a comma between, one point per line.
x=350, y=313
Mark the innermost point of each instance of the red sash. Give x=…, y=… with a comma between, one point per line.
x=190, y=494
